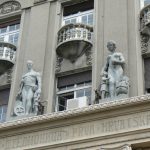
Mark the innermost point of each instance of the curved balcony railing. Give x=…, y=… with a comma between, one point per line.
x=73, y=40
x=7, y=56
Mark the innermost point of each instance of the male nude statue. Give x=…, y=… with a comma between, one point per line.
x=30, y=89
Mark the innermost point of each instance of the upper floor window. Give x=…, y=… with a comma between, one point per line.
x=72, y=87
x=79, y=13
x=4, y=97
x=144, y=3
x=147, y=74
x=81, y=17
x=10, y=32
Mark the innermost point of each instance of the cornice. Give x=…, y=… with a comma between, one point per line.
x=76, y=112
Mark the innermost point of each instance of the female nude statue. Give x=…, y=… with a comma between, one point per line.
x=113, y=69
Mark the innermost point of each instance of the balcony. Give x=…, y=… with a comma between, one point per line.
x=74, y=40
x=7, y=56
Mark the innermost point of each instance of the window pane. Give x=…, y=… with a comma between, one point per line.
x=3, y=30
x=11, y=38
x=12, y=28
x=84, y=19
x=80, y=93
x=146, y=2
x=88, y=92
x=73, y=20
x=62, y=100
x=16, y=38
x=2, y=39
x=4, y=108
x=90, y=19
x=17, y=26
x=0, y=109
x=67, y=21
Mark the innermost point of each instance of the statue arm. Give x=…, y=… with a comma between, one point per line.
x=105, y=69
x=120, y=61
x=39, y=82
x=21, y=86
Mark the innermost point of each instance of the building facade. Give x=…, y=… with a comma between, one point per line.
x=67, y=42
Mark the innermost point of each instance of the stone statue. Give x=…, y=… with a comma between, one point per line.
x=114, y=83
x=29, y=93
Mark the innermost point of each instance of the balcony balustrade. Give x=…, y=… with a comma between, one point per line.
x=7, y=56
x=74, y=40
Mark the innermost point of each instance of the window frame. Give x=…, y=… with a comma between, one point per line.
x=9, y=33
x=78, y=17
x=74, y=90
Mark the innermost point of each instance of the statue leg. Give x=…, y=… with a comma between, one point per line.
x=112, y=87
x=29, y=101
x=24, y=94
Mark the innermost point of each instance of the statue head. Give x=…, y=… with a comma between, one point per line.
x=111, y=45
x=29, y=64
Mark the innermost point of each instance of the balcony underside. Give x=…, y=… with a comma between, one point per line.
x=72, y=49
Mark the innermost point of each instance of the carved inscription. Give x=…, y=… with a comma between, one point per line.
x=87, y=130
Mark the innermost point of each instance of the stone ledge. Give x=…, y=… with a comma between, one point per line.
x=76, y=112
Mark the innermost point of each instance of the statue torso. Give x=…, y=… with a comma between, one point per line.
x=30, y=78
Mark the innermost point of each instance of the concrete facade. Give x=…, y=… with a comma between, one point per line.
x=110, y=125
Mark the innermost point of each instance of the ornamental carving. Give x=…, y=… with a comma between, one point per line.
x=145, y=29
x=39, y=1
x=124, y=147
x=88, y=54
x=9, y=7
x=144, y=43
x=58, y=63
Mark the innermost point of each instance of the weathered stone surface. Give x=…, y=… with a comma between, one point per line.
x=54, y=129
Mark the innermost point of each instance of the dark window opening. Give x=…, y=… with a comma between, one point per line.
x=79, y=7
x=79, y=13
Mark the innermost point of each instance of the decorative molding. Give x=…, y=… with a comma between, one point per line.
x=9, y=6
x=39, y=1
x=88, y=54
x=76, y=112
x=123, y=147
x=9, y=75
x=58, y=63
x=144, y=43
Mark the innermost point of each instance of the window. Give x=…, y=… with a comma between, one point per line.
x=79, y=13
x=71, y=87
x=147, y=74
x=10, y=33
x=81, y=17
x=146, y=2
x=4, y=97
x=3, y=111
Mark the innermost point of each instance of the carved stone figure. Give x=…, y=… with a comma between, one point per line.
x=8, y=7
x=114, y=83
x=29, y=94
